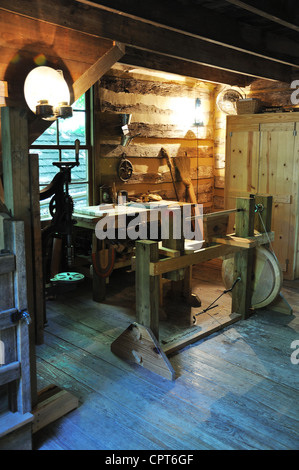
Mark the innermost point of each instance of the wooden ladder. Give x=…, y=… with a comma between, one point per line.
x=15, y=381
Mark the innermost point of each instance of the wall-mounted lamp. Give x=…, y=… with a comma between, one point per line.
x=198, y=118
x=47, y=93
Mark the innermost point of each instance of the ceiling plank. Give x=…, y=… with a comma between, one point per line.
x=150, y=60
x=109, y=25
x=266, y=12
x=207, y=24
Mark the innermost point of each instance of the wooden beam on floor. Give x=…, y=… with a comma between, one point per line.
x=208, y=325
x=53, y=403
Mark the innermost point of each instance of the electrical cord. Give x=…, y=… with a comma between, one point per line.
x=212, y=304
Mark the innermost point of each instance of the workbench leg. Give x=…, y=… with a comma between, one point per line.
x=174, y=216
x=147, y=287
x=263, y=221
x=98, y=283
x=242, y=293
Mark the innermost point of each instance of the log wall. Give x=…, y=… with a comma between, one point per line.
x=162, y=114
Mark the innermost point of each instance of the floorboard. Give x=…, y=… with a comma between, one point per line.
x=236, y=389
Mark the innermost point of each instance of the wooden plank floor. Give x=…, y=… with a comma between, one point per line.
x=236, y=389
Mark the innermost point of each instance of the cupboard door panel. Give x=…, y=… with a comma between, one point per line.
x=241, y=175
x=275, y=177
x=276, y=159
x=241, y=166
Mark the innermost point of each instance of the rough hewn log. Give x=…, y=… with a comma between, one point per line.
x=207, y=73
x=235, y=33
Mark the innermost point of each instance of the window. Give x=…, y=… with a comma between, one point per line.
x=57, y=143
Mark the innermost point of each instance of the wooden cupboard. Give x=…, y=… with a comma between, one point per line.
x=262, y=157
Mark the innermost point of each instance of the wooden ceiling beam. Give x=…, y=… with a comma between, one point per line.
x=109, y=25
x=270, y=13
x=97, y=70
x=150, y=60
x=208, y=25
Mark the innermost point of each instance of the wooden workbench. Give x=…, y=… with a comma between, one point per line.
x=88, y=218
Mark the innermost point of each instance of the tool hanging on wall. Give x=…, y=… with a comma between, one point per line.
x=171, y=169
x=183, y=166
x=125, y=168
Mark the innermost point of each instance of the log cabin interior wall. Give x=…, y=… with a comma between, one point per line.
x=244, y=45
x=162, y=109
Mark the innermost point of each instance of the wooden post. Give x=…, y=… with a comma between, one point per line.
x=242, y=292
x=14, y=130
x=98, y=283
x=38, y=280
x=147, y=287
x=15, y=242
x=139, y=342
x=175, y=243
x=263, y=220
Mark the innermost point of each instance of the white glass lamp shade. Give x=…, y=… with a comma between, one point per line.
x=47, y=86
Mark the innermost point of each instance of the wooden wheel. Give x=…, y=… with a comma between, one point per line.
x=267, y=277
x=125, y=169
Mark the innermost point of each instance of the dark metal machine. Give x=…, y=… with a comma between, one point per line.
x=61, y=208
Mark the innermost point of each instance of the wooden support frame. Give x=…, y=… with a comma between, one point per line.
x=20, y=174
x=241, y=295
x=139, y=345
x=14, y=130
x=14, y=335
x=147, y=286
x=131, y=345
x=152, y=37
